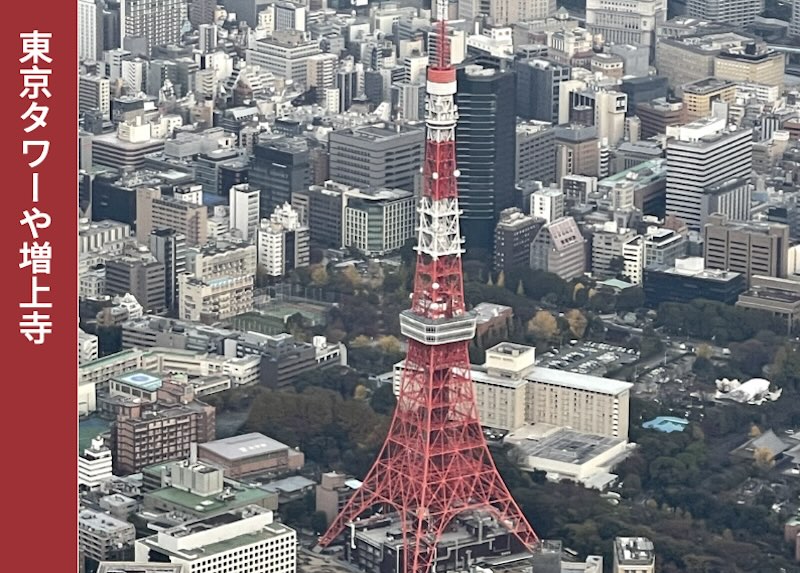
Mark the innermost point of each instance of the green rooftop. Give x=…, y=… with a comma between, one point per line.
x=210, y=505
x=89, y=429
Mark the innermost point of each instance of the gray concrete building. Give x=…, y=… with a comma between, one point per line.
x=379, y=155
x=559, y=248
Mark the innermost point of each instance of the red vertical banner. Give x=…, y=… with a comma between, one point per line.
x=40, y=291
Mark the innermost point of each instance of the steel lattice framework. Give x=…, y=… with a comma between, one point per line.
x=435, y=463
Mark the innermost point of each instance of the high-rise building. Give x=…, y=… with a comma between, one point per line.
x=754, y=63
x=169, y=248
x=535, y=152
x=283, y=242
x=158, y=22
x=559, y=248
x=375, y=156
x=538, y=88
x=90, y=29
x=509, y=12
x=656, y=115
x=244, y=203
x=513, y=236
x=485, y=150
x=736, y=12
x=320, y=70
x=577, y=151
x=700, y=155
x=201, y=12
x=632, y=23
x=279, y=167
x=290, y=16
x=750, y=248
x=607, y=244
x=140, y=275
x=208, y=38
x=378, y=221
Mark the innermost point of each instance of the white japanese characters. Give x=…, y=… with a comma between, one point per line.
x=37, y=255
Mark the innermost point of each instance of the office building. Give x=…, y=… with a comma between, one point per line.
x=88, y=347
x=320, y=71
x=634, y=554
x=155, y=212
x=333, y=492
x=539, y=83
x=201, y=12
x=656, y=115
x=547, y=204
x=90, y=30
x=732, y=198
x=645, y=183
x=663, y=246
x=158, y=22
x=149, y=433
x=283, y=358
x=513, y=236
x=735, y=12
x=779, y=297
x=688, y=280
x=285, y=53
x=141, y=275
x=749, y=248
x=102, y=537
x=535, y=152
x=378, y=155
x=246, y=539
x=607, y=244
x=752, y=63
x=289, y=16
x=630, y=23
x=279, y=167
x=282, y=242
x=94, y=93
x=485, y=150
x=249, y=454
x=577, y=151
x=559, y=248
x=169, y=249
x=699, y=155
x=378, y=221
x=643, y=88
x=700, y=96
x=244, y=203
x=94, y=465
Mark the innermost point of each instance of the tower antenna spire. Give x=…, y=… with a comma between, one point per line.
x=435, y=463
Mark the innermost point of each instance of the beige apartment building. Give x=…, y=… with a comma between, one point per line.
x=155, y=212
x=750, y=248
x=212, y=300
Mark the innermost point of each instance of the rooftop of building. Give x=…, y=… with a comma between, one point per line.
x=142, y=380
x=98, y=521
x=634, y=551
x=666, y=424
x=289, y=485
x=706, y=86
x=138, y=567
x=379, y=131
x=642, y=174
x=578, y=381
x=386, y=530
x=696, y=271
x=234, y=496
x=568, y=446
x=487, y=311
x=243, y=447
x=270, y=531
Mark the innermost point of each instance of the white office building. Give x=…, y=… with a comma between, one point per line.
x=88, y=347
x=547, y=204
x=90, y=30
x=245, y=540
x=285, y=53
x=700, y=156
x=283, y=242
x=94, y=465
x=159, y=22
x=243, y=210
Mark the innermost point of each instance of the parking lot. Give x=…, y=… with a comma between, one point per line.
x=593, y=358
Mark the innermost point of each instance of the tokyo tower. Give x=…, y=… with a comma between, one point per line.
x=435, y=463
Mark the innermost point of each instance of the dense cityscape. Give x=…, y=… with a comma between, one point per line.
x=496, y=286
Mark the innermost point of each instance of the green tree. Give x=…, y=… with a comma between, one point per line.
x=383, y=400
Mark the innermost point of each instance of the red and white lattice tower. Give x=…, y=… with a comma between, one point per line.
x=435, y=463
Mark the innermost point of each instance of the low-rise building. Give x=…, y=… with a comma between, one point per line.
x=634, y=555
x=94, y=465
x=223, y=543
x=250, y=454
x=559, y=248
x=102, y=537
x=333, y=492
x=780, y=297
x=688, y=280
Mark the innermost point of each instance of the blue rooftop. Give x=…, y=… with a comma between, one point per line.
x=666, y=424
x=141, y=380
